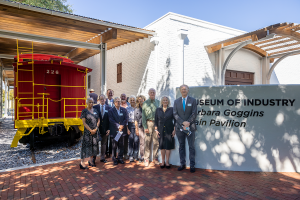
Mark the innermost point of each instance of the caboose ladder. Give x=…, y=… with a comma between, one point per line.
x=28, y=51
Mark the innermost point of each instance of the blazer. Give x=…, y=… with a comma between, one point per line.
x=116, y=120
x=164, y=120
x=106, y=103
x=104, y=122
x=189, y=114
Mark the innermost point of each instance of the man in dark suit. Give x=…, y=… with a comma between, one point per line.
x=104, y=126
x=118, y=119
x=185, y=112
x=109, y=101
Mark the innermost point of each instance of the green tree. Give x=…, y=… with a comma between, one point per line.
x=58, y=5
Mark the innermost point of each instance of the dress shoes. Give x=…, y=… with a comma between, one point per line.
x=121, y=161
x=116, y=162
x=92, y=164
x=192, y=169
x=81, y=167
x=103, y=160
x=182, y=167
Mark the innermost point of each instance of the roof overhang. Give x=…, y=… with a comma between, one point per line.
x=58, y=33
x=285, y=39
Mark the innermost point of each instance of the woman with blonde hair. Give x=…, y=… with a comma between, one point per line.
x=165, y=130
x=139, y=129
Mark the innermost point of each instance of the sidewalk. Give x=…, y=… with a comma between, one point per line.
x=133, y=181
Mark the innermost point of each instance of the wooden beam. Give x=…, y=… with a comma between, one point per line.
x=287, y=33
x=78, y=51
x=48, y=17
x=285, y=26
x=274, y=43
x=219, y=45
x=292, y=27
x=270, y=40
x=284, y=51
x=256, y=49
x=109, y=35
x=282, y=46
x=132, y=33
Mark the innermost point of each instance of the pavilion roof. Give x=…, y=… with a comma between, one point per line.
x=286, y=38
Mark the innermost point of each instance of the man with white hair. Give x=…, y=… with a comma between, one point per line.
x=104, y=126
x=185, y=113
x=118, y=120
x=148, y=117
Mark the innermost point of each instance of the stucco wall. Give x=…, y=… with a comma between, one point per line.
x=137, y=68
x=288, y=70
x=198, y=68
x=245, y=60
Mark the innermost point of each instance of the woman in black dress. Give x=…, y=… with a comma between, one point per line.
x=90, y=119
x=165, y=129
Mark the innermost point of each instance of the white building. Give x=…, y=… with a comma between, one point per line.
x=178, y=54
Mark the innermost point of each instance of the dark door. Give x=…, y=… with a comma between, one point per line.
x=239, y=78
x=54, y=105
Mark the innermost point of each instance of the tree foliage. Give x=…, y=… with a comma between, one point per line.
x=57, y=5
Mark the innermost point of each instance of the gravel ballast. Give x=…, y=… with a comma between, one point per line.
x=21, y=155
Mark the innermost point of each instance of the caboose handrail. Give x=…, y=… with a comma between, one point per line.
x=43, y=105
x=59, y=85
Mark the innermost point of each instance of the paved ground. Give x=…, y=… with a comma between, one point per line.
x=133, y=181
x=21, y=155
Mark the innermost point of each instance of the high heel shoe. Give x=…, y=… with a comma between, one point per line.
x=163, y=166
x=168, y=167
x=81, y=167
x=92, y=165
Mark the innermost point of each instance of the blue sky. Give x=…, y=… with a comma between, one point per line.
x=240, y=14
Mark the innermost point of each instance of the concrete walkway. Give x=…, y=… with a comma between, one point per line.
x=133, y=181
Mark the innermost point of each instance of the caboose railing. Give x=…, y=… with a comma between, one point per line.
x=40, y=109
x=43, y=113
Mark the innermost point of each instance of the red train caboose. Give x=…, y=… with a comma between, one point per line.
x=50, y=92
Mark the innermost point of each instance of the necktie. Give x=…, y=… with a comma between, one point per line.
x=183, y=104
x=102, y=111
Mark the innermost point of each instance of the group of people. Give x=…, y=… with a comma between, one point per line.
x=127, y=128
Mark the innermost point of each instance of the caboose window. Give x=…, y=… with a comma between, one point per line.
x=89, y=81
x=119, y=73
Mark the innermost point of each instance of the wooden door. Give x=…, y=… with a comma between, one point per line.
x=54, y=107
x=238, y=78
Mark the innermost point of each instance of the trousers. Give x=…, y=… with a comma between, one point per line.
x=133, y=141
x=149, y=139
x=117, y=145
x=103, y=146
x=191, y=141
x=142, y=142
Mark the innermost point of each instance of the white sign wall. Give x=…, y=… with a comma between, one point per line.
x=246, y=128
